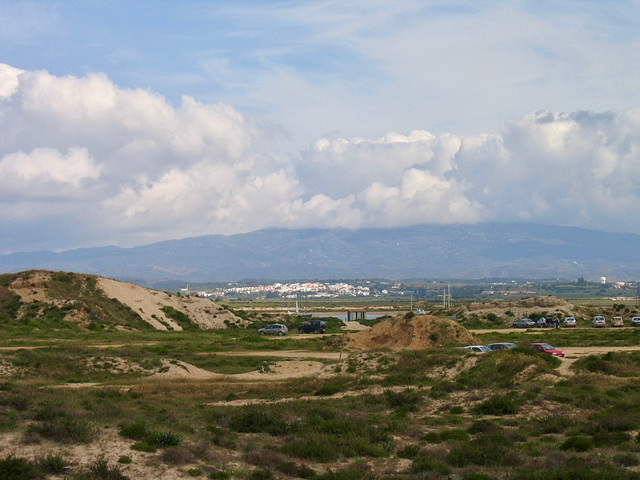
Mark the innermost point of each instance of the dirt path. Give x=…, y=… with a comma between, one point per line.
x=571, y=354
x=283, y=354
x=374, y=390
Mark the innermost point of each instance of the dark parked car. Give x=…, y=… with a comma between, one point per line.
x=635, y=321
x=275, y=329
x=524, y=323
x=313, y=326
x=502, y=346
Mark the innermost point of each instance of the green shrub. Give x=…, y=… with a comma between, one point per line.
x=255, y=420
x=52, y=463
x=606, y=438
x=261, y=474
x=446, y=436
x=135, y=431
x=407, y=400
x=578, y=470
x=616, y=420
x=427, y=463
x=409, y=451
x=14, y=468
x=486, y=450
x=626, y=460
x=292, y=469
x=486, y=427
x=577, y=444
x=65, y=428
x=143, y=446
x=353, y=472
x=163, y=439
x=554, y=424
x=497, y=405
x=100, y=470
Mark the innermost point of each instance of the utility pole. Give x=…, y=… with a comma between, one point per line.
x=446, y=297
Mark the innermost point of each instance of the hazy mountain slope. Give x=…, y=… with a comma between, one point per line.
x=453, y=251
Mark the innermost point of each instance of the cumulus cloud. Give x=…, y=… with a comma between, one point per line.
x=45, y=171
x=122, y=166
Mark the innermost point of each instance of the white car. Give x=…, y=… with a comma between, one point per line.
x=477, y=349
x=598, y=321
x=569, y=322
x=617, y=322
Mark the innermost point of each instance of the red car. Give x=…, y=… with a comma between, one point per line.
x=546, y=348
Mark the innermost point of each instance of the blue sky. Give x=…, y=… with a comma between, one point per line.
x=131, y=122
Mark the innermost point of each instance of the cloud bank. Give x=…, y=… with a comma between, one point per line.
x=84, y=162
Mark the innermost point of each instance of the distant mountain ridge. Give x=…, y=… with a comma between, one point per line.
x=492, y=250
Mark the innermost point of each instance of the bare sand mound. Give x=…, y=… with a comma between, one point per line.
x=149, y=303
x=276, y=371
x=419, y=332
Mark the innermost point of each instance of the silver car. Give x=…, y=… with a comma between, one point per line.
x=274, y=329
x=635, y=321
x=598, y=322
x=569, y=322
x=524, y=323
x=477, y=349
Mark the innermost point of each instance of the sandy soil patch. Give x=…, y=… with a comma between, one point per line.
x=108, y=445
x=149, y=303
x=279, y=370
x=33, y=289
x=374, y=390
x=285, y=354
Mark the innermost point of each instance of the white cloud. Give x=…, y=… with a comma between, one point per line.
x=126, y=167
x=45, y=172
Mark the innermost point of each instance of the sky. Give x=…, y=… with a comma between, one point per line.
x=131, y=122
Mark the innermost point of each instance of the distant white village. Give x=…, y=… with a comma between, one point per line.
x=294, y=290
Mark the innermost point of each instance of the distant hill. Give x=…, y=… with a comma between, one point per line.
x=421, y=252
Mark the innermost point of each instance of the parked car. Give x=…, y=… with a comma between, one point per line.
x=476, y=348
x=273, y=329
x=635, y=321
x=502, y=346
x=524, y=323
x=546, y=348
x=599, y=321
x=569, y=322
x=313, y=326
x=617, y=322
x=542, y=323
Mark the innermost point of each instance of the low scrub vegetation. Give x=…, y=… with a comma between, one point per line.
x=438, y=413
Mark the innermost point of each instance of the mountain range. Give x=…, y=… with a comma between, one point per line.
x=491, y=250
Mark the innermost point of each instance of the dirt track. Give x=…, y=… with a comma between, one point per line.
x=574, y=353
